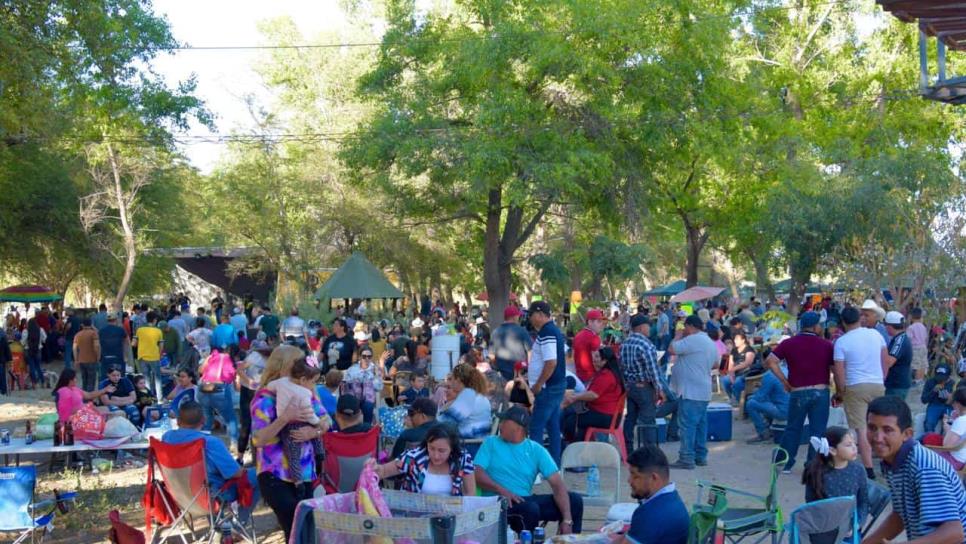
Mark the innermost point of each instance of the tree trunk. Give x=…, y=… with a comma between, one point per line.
x=496, y=264
x=799, y=280
x=761, y=278
x=130, y=245
x=696, y=240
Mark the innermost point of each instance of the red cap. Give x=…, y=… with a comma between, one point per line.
x=519, y=366
x=511, y=311
x=595, y=314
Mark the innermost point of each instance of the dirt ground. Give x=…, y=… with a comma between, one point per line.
x=732, y=463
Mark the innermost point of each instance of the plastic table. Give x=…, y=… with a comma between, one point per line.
x=19, y=446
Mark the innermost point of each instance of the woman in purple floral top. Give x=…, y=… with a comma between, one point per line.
x=274, y=477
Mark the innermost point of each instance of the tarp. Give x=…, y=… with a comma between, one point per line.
x=668, y=290
x=358, y=278
x=697, y=293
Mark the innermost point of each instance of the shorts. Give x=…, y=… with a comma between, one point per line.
x=856, y=402
x=920, y=358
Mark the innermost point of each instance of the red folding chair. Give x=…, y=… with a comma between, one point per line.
x=345, y=455
x=616, y=429
x=187, y=495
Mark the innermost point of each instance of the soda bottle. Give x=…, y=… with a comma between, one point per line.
x=58, y=433
x=29, y=435
x=593, y=482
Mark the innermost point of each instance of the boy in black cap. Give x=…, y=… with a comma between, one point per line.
x=935, y=395
x=348, y=413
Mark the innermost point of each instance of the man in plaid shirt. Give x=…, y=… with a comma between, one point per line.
x=642, y=378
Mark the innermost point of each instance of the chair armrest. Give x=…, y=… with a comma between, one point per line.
x=707, y=484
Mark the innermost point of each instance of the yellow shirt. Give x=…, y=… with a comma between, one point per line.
x=149, y=343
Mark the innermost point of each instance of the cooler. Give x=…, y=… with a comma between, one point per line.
x=661, y=430
x=719, y=422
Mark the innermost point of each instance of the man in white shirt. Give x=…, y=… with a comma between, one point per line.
x=919, y=337
x=860, y=370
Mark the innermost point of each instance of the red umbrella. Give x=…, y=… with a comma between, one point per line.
x=697, y=293
x=485, y=297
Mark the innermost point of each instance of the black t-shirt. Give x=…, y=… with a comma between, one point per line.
x=738, y=357
x=900, y=374
x=337, y=352
x=124, y=387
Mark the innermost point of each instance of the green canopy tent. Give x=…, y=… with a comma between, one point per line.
x=357, y=278
x=668, y=290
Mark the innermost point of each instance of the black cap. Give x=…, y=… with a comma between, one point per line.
x=639, y=319
x=541, y=306
x=694, y=321
x=425, y=406
x=348, y=405
x=518, y=415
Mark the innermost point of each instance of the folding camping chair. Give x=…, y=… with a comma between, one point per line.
x=828, y=521
x=345, y=455
x=19, y=512
x=879, y=498
x=186, y=494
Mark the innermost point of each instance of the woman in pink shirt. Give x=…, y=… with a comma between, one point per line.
x=71, y=398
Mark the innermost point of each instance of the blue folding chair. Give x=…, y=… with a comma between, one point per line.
x=828, y=521
x=19, y=512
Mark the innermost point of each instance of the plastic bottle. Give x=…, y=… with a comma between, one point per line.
x=165, y=424
x=226, y=533
x=593, y=482
x=526, y=537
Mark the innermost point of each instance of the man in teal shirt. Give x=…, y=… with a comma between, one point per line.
x=508, y=464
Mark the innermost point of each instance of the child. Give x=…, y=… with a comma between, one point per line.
x=519, y=392
x=417, y=388
x=297, y=390
x=144, y=398
x=935, y=395
x=954, y=430
x=834, y=472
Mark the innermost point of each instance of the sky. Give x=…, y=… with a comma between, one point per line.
x=226, y=76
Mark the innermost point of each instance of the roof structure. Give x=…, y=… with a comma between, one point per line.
x=944, y=20
x=358, y=278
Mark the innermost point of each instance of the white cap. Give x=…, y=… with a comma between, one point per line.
x=894, y=318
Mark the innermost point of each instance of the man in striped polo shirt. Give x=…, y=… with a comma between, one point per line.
x=928, y=500
x=547, y=376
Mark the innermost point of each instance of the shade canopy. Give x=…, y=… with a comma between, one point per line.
x=28, y=293
x=697, y=293
x=668, y=290
x=358, y=278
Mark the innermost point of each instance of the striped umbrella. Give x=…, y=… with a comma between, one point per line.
x=28, y=293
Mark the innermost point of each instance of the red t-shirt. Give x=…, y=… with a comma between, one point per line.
x=585, y=344
x=809, y=358
x=608, y=391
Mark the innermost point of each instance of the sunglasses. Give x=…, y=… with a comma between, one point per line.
x=366, y=356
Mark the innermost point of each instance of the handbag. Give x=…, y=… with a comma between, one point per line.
x=211, y=387
x=88, y=423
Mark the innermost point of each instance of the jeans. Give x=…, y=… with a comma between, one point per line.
x=130, y=411
x=68, y=352
x=693, y=430
x=282, y=497
x=733, y=389
x=33, y=364
x=245, y=396
x=534, y=509
x=546, y=417
x=575, y=425
x=641, y=410
x=3, y=378
x=900, y=392
x=813, y=403
x=152, y=375
x=222, y=401
x=88, y=372
x=934, y=414
x=761, y=410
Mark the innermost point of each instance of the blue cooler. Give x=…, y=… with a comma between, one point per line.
x=719, y=422
x=661, y=430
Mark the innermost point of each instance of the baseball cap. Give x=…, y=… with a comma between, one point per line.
x=348, y=405
x=894, y=318
x=943, y=370
x=520, y=366
x=639, y=319
x=809, y=319
x=694, y=321
x=541, y=306
x=236, y=310
x=511, y=311
x=423, y=405
x=595, y=314
x=518, y=415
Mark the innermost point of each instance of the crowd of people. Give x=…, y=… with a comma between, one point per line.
x=545, y=380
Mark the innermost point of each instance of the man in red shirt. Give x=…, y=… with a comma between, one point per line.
x=586, y=344
x=809, y=360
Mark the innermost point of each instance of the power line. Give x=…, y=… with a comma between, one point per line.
x=338, y=45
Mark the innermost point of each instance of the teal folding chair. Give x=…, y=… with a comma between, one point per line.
x=756, y=523
x=19, y=511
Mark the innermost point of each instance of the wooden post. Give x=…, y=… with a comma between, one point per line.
x=941, y=59
x=923, y=64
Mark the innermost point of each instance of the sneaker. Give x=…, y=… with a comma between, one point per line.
x=701, y=463
x=682, y=465
x=787, y=470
